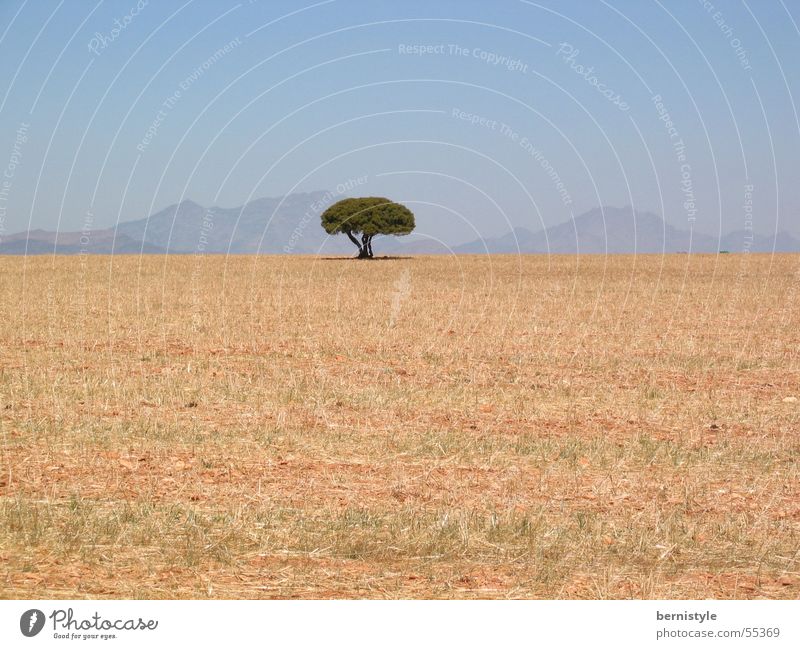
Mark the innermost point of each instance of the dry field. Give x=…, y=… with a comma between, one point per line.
x=436, y=427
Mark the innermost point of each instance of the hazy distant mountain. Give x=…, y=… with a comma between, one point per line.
x=95, y=242
x=621, y=230
x=266, y=225
x=291, y=225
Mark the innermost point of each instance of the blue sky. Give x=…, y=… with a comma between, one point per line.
x=480, y=115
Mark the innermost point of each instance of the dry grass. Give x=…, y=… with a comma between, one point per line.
x=186, y=427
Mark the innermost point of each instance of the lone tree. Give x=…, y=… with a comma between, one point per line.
x=362, y=218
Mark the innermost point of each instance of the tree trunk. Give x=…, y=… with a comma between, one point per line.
x=362, y=253
x=366, y=247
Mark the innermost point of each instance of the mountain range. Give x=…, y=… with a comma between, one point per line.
x=614, y=230
x=290, y=225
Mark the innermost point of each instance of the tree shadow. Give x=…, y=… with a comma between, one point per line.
x=384, y=258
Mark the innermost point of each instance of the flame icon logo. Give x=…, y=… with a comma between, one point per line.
x=31, y=622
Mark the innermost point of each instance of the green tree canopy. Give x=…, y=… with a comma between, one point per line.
x=362, y=218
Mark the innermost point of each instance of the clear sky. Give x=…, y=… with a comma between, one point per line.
x=479, y=115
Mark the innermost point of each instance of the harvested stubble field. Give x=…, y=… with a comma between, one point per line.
x=461, y=427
